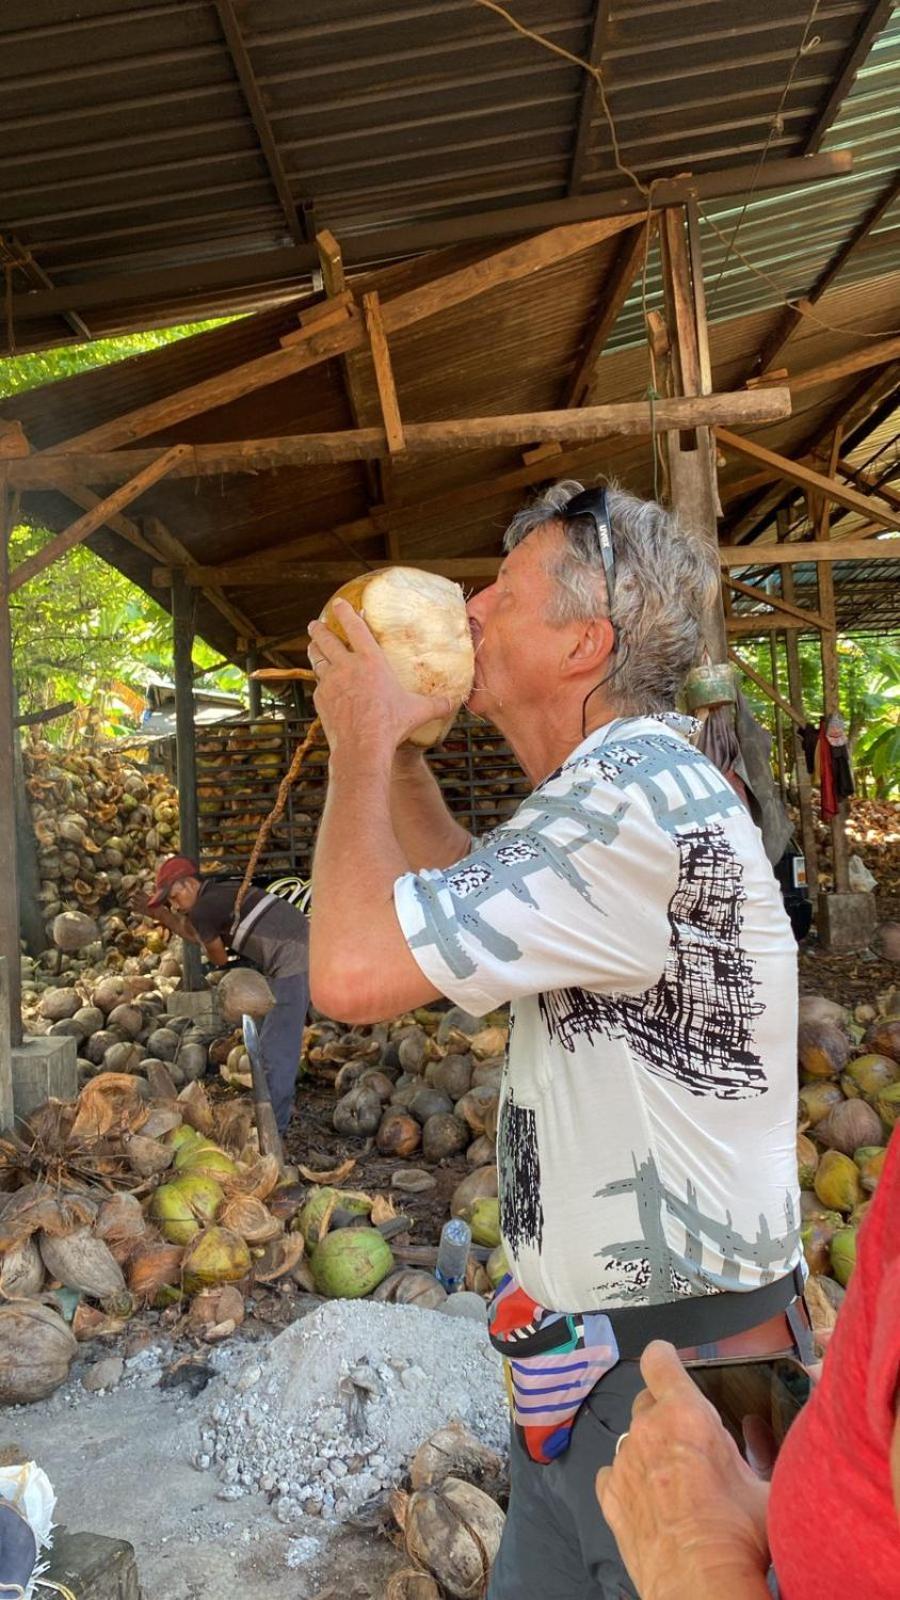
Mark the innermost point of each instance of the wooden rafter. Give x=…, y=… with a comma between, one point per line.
x=331, y=263
x=768, y=689
x=762, y=597
x=259, y=116
x=868, y=485
x=791, y=317
x=873, y=355
x=792, y=555
x=403, y=311
x=14, y=254
x=806, y=478
x=93, y=519
x=589, y=96
x=615, y=292
x=873, y=20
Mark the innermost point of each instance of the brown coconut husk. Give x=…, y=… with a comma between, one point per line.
x=244, y=991
x=233, y=1122
x=479, y=1185
x=162, y=1120
x=453, y=1531
x=279, y=1258
x=411, y=1585
x=121, y=1225
x=22, y=1271
x=110, y=1103
x=154, y=1265
x=194, y=1105
x=210, y=1308
x=247, y=1216
x=454, y=1452
x=36, y=1351
x=91, y=1323
x=84, y=1263
x=147, y=1157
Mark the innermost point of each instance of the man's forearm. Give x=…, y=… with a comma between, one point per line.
x=428, y=834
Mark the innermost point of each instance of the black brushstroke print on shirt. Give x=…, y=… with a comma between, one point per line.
x=521, y=1212
x=694, y=1025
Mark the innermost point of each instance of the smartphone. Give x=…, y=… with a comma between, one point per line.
x=775, y=1391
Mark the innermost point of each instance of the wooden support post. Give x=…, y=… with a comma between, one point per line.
x=9, y=877
x=795, y=691
x=254, y=688
x=779, y=719
x=185, y=744
x=691, y=454
x=384, y=373
x=830, y=675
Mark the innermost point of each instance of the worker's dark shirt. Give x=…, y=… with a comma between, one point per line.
x=278, y=943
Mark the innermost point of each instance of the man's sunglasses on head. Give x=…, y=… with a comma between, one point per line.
x=592, y=503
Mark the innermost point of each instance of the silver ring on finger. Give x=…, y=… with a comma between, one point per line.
x=620, y=1441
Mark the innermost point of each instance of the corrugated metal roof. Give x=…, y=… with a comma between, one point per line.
x=130, y=140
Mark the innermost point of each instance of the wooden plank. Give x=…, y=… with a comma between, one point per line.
x=874, y=17
x=354, y=368
x=286, y=265
x=384, y=373
x=805, y=477
x=758, y=627
x=774, y=600
x=774, y=555
x=7, y=1116
x=867, y=485
x=13, y=443
x=95, y=517
x=768, y=689
x=872, y=355
x=183, y=611
x=60, y=469
x=331, y=317
x=795, y=690
x=616, y=289
x=331, y=263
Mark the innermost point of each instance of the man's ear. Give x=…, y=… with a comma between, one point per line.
x=590, y=647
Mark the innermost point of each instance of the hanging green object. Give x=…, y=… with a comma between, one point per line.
x=713, y=685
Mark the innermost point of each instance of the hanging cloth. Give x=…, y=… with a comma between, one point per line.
x=825, y=764
x=836, y=734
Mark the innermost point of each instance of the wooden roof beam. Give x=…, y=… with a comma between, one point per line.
x=880, y=354
x=13, y=253
x=767, y=688
x=873, y=20
x=629, y=261
x=806, y=550
x=365, y=249
x=93, y=519
x=259, y=116
x=869, y=485
x=762, y=597
x=589, y=97
x=807, y=478
x=384, y=373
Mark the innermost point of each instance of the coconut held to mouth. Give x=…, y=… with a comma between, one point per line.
x=419, y=620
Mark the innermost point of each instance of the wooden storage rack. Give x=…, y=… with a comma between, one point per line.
x=240, y=765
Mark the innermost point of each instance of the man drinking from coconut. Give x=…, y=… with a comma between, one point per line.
x=269, y=932
x=628, y=913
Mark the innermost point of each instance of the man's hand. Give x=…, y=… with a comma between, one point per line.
x=359, y=700
x=688, y=1514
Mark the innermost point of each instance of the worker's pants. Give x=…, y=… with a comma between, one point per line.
x=281, y=1041
x=556, y=1545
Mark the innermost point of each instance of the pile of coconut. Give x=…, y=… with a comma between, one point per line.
x=849, y=1105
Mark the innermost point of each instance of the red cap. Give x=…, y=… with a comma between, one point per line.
x=169, y=872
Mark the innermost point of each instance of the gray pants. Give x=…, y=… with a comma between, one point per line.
x=556, y=1545
x=281, y=1040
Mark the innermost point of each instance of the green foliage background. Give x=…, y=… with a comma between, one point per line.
x=80, y=627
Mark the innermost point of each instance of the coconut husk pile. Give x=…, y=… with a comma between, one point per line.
x=451, y=1520
x=849, y=1103
x=137, y=1196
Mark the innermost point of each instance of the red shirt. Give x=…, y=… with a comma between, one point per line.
x=833, y=1526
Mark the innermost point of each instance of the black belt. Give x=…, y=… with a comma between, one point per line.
x=701, y=1319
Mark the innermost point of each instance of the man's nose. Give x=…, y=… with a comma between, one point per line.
x=480, y=604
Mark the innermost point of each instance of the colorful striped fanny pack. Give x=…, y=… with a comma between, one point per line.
x=554, y=1359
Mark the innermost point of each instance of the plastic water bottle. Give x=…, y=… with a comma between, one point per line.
x=453, y=1254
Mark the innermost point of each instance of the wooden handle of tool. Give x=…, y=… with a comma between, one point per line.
x=267, y=674
x=269, y=1138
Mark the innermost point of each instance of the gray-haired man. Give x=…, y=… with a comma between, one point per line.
x=629, y=914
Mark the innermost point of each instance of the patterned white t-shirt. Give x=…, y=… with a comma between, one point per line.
x=646, y=1146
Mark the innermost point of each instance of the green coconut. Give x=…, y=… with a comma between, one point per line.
x=817, y=1099
x=807, y=1161
x=870, y=1159
x=216, y=1256
x=184, y=1206
x=888, y=1105
x=815, y=1237
x=205, y=1160
x=843, y=1255
x=869, y=1076
x=483, y=1217
x=180, y=1138
x=497, y=1266
x=351, y=1262
x=837, y=1182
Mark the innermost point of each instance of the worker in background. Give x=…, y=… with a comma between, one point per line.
x=270, y=933
x=646, y=1143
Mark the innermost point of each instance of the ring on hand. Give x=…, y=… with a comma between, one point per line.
x=619, y=1442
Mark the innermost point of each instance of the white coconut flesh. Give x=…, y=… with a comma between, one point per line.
x=420, y=621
